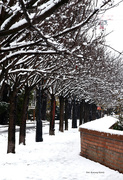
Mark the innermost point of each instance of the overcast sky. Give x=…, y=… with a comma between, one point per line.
x=114, y=19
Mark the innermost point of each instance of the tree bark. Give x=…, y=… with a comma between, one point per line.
x=61, y=114
x=94, y=108
x=43, y=104
x=38, y=116
x=4, y=98
x=11, y=129
x=22, y=135
x=66, y=114
x=86, y=112
x=52, y=116
x=74, y=117
x=78, y=109
x=81, y=112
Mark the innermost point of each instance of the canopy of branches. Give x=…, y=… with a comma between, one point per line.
x=56, y=40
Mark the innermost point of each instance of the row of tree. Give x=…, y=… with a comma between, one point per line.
x=52, y=45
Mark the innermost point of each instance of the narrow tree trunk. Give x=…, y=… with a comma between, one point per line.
x=90, y=112
x=69, y=110
x=85, y=113
x=38, y=116
x=94, y=108
x=78, y=110
x=22, y=135
x=11, y=129
x=52, y=116
x=81, y=112
x=4, y=98
x=74, y=117
x=66, y=114
x=44, y=105
x=61, y=114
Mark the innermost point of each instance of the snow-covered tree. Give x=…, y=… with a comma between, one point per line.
x=53, y=39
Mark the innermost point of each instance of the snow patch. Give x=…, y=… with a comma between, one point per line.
x=56, y=158
x=102, y=125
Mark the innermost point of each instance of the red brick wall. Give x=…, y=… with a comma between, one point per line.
x=102, y=147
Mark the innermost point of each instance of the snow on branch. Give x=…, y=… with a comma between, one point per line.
x=26, y=70
x=83, y=23
x=22, y=45
x=46, y=9
x=29, y=52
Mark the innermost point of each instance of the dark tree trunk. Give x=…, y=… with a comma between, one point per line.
x=69, y=110
x=74, y=117
x=61, y=122
x=39, y=137
x=81, y=112
x=52, y=116
x=90, y=112
x=78, y=110
x=66, y=114
x=4, y=98
x=22, y=135
x=86, y=112
x=11, y=129
x=44, y=105
x=94, y=109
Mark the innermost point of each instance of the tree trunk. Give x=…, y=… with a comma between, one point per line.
x=22, y=135
x=69, y=110
x=52, y=116
x=90, y=111
x=86, y=112
x=11, y=129
x=74, y=117
x=61, y=114
x=38, y=116
x=66, y=114
x=4, y=98
x=81, y=112
x=78, y=110
x=44, y=104
x=94, y=108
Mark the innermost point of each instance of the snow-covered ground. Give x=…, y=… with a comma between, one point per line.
x=56, y=158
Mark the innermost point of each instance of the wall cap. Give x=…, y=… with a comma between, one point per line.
x=102, y=125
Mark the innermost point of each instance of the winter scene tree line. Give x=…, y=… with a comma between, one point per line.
x=55, y=63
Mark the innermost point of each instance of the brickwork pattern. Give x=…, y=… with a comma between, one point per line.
x=102, y=147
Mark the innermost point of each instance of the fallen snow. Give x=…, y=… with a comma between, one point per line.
x=102, y=125
x=56, y=158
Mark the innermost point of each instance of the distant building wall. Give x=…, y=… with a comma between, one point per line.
x=105, y=148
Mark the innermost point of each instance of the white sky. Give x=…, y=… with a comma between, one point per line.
x=115, y=39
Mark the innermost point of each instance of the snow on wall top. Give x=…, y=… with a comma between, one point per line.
x=102, y=125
